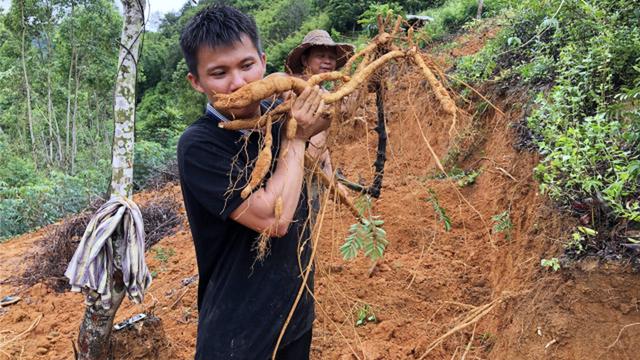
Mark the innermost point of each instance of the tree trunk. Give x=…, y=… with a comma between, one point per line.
x=49, y=117
x=74, y=144
x=71, y=66
x=95, y=331
x=480, y=5
x=125, y=97
x=26, y=84
x=58, y=140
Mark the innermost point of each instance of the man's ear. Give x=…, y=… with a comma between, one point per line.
x=263, y=57
x=193, y=80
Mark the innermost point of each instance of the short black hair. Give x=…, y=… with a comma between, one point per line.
x=216, y=25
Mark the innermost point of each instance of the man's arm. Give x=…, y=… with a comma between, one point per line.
x=257, y=212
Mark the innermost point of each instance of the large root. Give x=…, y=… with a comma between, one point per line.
x=269, y=86
x=361, y=77
x=448, y=105
x=377, y=41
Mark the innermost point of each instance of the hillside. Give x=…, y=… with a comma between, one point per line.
x=476, y=291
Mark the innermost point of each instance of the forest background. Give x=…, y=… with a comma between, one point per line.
x=579, y=61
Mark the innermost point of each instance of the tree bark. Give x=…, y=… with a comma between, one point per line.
x=49, y=117
x=125, y=96
x=480, y=5
x=74, y=144
x=95, y=331
x=71, y=67
x=26, y=83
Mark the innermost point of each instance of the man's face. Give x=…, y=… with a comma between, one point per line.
x=321, y=59
x=225, y=69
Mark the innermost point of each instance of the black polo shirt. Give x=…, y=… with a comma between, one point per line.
x=242, y=303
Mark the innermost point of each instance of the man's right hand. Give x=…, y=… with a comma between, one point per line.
x=307, y=109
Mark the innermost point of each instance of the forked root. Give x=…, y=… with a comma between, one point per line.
x=360, y=77
x=375, y=42
x=259, y=90
x=267, y=87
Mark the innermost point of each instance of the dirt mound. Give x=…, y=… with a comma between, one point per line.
x=474, y=291
x=143, y=340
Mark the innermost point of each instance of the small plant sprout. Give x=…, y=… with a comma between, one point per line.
x=365, y=315
x=442, y=214
x=163, y=255
x=502, y=224
x=367, y=235
x=579, y=237
x=553, y=263
x=468, y=178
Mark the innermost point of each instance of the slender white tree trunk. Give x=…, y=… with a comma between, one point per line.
x=74, y=137
x=95, y=331
x=125, y=100
x=26, y=82
x=480, y=5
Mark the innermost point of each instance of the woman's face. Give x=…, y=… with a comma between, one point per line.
x=320, y=59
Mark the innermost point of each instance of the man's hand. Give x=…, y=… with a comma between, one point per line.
x=307, y=110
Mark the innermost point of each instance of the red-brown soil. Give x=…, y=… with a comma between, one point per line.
x=485, y=291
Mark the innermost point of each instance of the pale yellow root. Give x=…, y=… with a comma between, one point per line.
x=271, y=85
x=448, y=105
x=259, y=90
x=292, y=128
x=380, y=23
x=396, y=27
x=410, y=37
x=263, y=163
x=264, y=88
x=277, y=210
x=361, y=77
x=330, y=185
x=330, y=76
x=375, y=42
x=258, y=121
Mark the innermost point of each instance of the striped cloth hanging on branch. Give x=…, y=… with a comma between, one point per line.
x=92, y=267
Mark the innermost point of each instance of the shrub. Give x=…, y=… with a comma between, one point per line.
x=587, y=125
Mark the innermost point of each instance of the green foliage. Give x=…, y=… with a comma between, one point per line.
x=462, y=177
x=364, y=315
x=163, y=254
x=366, y=235
x=46, y=180
x=149, y=158
x=440, y=211
x=278, y=51
x=45, y=199
x=586, y=126
x=453, y=14
x=369, y=18
x=553, y=264
x=502, y=224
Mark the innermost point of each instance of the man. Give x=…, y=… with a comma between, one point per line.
x=243, y=303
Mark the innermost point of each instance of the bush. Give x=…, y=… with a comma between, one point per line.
x=47, y=199
x=149, y=159
x=587, y=125
x=453, y=14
